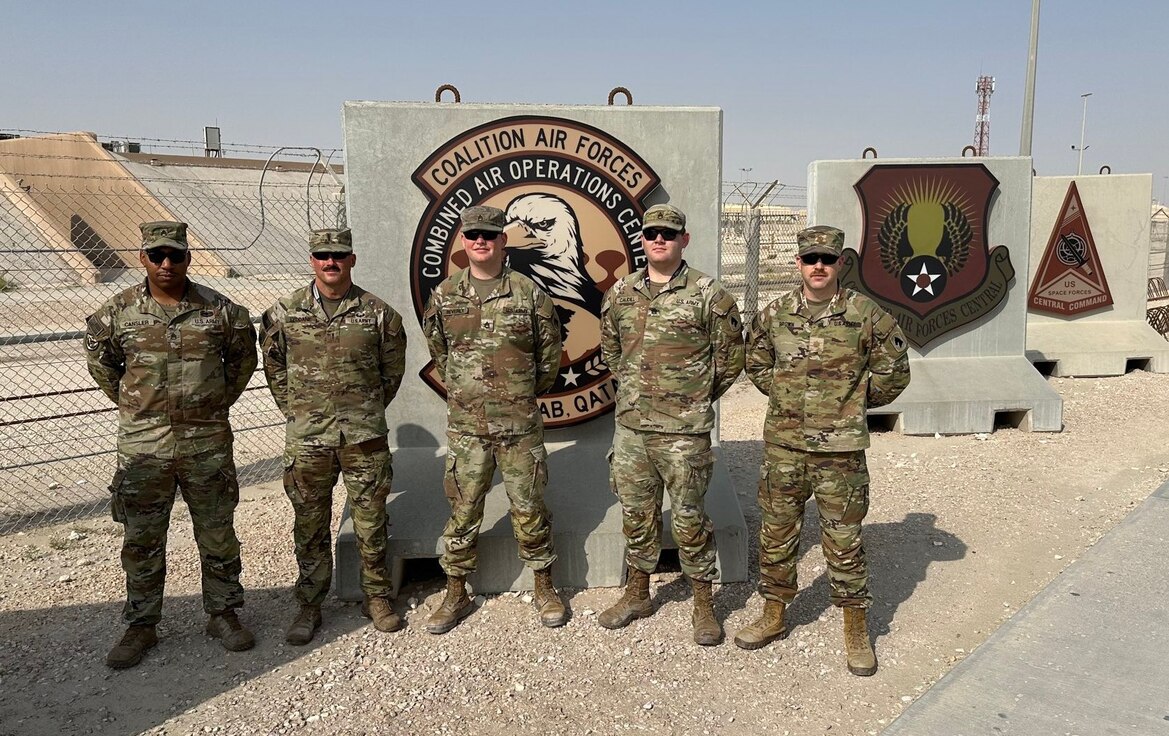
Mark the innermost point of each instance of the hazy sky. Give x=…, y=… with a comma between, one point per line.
x=797, y=81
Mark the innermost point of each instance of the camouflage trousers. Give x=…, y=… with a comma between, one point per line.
x=470, y=467
x=142, y=495
x=643, y=466
x=840, y=483
x=309, y=476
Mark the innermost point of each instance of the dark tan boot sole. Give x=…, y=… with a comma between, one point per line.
x=863, y=671
x=460, y=614
x=753, y=645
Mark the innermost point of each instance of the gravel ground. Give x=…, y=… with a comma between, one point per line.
x=962, y=532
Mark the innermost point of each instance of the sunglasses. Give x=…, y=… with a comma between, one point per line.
x=652, y=233
x=330, y=256
x=476, y=234
x=158, y=256
x=811, y=259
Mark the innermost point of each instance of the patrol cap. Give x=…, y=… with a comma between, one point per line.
x=164, y=234
x=482, y=217
x=664, y=215
x=820, y=239
x=331, y=240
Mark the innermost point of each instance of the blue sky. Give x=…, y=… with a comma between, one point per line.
x=797, y=81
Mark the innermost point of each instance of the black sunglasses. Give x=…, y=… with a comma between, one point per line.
x=652, y=233
x=175, y=256
x=330, y=255
x=811, y=259
x=476, y=234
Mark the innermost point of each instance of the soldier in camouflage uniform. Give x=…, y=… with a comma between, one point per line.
x=823, y=355
x=673, y=339
x=174, y=356
x=495, y=340
x=334, y=356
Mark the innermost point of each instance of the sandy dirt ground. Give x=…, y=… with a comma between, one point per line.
x=962, y=532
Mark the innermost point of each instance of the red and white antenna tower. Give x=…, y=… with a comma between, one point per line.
x=984, y=88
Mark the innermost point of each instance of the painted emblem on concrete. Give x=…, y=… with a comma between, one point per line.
x=573, y=195
x=924, y=254
x=1070, y=278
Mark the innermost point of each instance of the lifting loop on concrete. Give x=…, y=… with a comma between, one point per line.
x=870, y=149
x=447, y=88
x=1105, y=169
x=972, y=149
x=621, y=91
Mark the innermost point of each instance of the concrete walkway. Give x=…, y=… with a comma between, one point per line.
x=1087, y=656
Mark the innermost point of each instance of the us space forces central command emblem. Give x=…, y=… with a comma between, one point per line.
x=924, y=253
x=573, y=196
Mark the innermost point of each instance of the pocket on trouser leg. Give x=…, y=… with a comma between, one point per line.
x=450, y=480
x=701, y=468
x=117, y=505
x=612, y=479
x=539, y=471
x=291, y=488
x=229, y=493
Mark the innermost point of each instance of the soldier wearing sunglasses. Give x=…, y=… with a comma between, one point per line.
x=174, y=356
x=673, y=339
x=334, y=355
x=495, y=339
x=823, y=355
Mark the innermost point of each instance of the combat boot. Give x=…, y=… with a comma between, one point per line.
x=862, y=660
x=304, y=626
x=765, y=629
x=634, y=603
x=129, y=651
x=382, y=613
x=707, y=631
x=547, y=600
x=230, y=632
x=455, y=607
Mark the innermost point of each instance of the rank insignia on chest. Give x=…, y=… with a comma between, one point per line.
x=815, y=344
x=489, y=324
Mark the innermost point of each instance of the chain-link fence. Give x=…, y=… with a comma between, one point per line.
x=759, y=223
x=69, y=216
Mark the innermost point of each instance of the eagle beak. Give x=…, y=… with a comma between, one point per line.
x=519, y=236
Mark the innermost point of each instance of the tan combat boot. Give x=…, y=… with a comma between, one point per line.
x=765, y=629
x=862, y=660
x=128, y=652
x=230, y=632
x=547, y=600
x=707, y=631
x=382, y=613
x=633, y=604
x=455, y=607
x=304, y=626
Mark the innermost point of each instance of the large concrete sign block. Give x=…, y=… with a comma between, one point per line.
x=1087, y=276
x=574, y=181
x=938, y=243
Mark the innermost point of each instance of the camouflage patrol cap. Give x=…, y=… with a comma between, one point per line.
x=164, y=234
x=820, y=239
x=664, y=215
x=482, y=217
x=330, y=240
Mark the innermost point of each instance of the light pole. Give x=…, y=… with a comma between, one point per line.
x=1029, y=89
x=1083, y=125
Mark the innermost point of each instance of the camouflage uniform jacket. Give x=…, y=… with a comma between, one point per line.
x=173, y=377
x=672, y=354
x=494, y=356
x=822, y=376
x=333, y=378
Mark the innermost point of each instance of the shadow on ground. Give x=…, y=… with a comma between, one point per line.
x=55, y=679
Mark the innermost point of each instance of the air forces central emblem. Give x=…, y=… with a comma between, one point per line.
x=924, y=254
x=573, y=196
